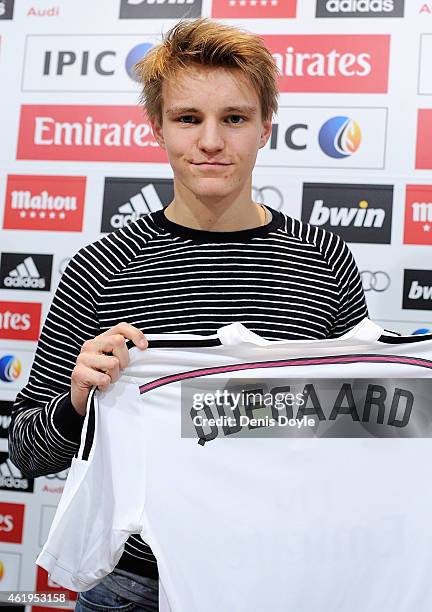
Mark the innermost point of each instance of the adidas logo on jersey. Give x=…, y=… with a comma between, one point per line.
x=341, y=216
x=418, y=291
x=143, y=203
x=25, y=276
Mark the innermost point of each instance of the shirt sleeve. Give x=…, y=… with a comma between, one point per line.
x=44, y=431
x=352, y=302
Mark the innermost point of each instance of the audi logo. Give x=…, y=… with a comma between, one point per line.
x=60, y=475
x=268, y=195
x=375, y=281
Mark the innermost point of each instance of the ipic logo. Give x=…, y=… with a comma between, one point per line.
x=358, y=213
x=11, y=477
x=340, y=137
x=26, y=271
x=84, y=62
x=418, y=214
x=126, y=200
x=10, y=368
x=321, y=137
x=133, y=57
x=159, y=9
x=6, y=9
x=360, y=8
x=417, y=290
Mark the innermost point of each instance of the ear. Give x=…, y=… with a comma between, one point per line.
x=157, y=132
x=266, y=131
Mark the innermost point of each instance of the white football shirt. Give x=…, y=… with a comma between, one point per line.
x=335, y=516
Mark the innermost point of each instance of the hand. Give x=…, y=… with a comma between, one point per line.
x=94, y=367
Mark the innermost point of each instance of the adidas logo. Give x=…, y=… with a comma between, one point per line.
x=360, y=6
x=11, y=477
x=25, y=276
x=143, y=203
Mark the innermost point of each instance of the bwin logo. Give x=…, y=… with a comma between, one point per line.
x=143, y=203
x=419, y=292
x=341, y=216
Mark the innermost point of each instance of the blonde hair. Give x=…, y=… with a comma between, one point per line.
x=207, y=43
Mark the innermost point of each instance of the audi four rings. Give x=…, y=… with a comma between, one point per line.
x=375, y=281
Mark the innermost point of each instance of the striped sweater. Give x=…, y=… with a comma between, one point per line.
x=285, y=280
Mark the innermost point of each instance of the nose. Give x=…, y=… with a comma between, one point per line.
x=210, y=136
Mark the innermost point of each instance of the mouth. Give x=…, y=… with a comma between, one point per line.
x=205, y=166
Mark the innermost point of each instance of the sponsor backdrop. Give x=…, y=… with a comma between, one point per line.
x=350, y=151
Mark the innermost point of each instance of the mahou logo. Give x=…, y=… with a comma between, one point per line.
x=20, y=320
x=11, y=522
x=252, y=9
x=328, y=63
x=418, y=214
x=87, y=133
x=48, y=203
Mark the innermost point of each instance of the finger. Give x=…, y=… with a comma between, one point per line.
x=104, y=344
x=128, y=331
x=121, y=353
x=103, y=363
x=84, y=377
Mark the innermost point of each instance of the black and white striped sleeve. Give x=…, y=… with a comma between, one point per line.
x=45, y=429
x=352, y=303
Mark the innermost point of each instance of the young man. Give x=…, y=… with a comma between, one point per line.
x=210, y=258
